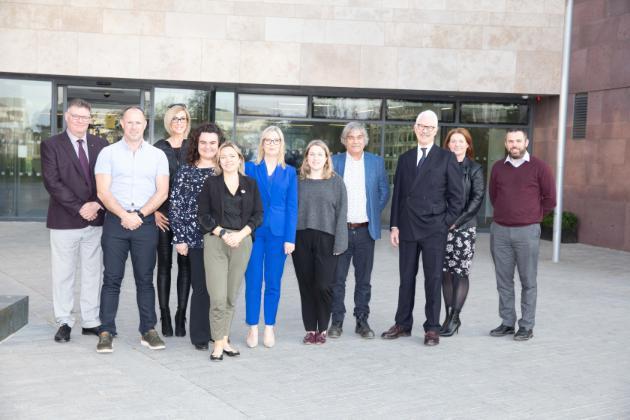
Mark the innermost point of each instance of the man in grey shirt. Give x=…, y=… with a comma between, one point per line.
x=132, y=182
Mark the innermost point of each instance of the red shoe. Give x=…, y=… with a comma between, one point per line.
x=310, y=338
x=320, y=337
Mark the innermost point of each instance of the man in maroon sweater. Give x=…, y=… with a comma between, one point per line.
x=521, y=191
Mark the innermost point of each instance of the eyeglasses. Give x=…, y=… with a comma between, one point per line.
x=81, y=118
x=172, y=105
x=178, y=120
x=422, y=127
x=271, y=141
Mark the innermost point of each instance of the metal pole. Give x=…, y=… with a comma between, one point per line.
x=562, y=132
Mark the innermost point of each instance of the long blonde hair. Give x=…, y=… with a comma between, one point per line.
x=241, y=167
x=272, y=129
x=305, y=169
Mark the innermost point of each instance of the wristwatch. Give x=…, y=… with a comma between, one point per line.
x=222, y=232
x=140, y=215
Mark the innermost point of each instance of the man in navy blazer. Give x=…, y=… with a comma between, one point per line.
x=75, y=218
x=368, y=191
x=428, y=198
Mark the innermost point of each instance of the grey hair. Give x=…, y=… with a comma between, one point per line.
x=353, y=125
x=428, y=113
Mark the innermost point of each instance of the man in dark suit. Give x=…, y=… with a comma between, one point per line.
x=428, y=198
x=75, y=218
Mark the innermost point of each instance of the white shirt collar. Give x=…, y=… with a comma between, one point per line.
x=517, y=162
x=350, y=158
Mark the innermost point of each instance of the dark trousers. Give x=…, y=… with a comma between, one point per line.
x=117, y=243
x=361, y=252
x=432, y=249
x=315, y=264
x=164, y=264
x=199, y=300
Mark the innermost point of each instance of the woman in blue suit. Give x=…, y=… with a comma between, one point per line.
x=275, y=238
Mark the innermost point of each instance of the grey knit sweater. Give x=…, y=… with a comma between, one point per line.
x=323, y=205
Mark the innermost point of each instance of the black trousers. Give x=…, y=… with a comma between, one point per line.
x=361, y=252
x=117, y=243
x=164, y=264
x=315, y=265
x=199, y=301
x=432, y=249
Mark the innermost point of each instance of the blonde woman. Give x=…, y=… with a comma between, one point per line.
x=230, y=209
x=177, y=125
x=322, y=234
x=275, y=238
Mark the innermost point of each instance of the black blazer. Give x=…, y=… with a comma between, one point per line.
x=430, y=201
x=210, y=200
x=474, y=190
x=65, y=182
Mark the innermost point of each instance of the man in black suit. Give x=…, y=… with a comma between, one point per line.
x=428, y=198
x=75, y=218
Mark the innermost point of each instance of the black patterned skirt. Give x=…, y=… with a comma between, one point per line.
x=460, y=249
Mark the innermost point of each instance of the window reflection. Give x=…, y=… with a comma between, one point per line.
x=489, y=113
x=409, y=110
x=25, y=117
x=347, y=108
x=272, y=105
x=224, y=113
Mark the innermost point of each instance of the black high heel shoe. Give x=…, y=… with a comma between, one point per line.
x=452, y=326
x=214, y=358
x=232, y=353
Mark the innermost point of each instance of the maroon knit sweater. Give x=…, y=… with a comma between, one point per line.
x=521, y=196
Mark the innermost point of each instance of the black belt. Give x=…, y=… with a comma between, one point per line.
x=357, y=225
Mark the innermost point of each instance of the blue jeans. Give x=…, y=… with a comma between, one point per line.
x=361, y=252
x=117, y=242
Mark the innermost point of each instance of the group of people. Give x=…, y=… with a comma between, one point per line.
x=231, y=220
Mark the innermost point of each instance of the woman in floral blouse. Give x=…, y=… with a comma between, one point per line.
x=187, y=238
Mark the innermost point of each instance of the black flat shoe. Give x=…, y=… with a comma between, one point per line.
x=231, y=353
x=90, y=331
x=214, y=358
x=202, y=346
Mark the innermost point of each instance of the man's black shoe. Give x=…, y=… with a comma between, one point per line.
x=501, y=331
x=363, y=329
x=335, y=329
x=394, y=332
x=201, y=346
x=63, y=333
x=523, y=334
x=90, y=331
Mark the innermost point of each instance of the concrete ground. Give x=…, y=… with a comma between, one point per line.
x=576, y=366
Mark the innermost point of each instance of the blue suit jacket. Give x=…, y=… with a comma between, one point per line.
x=376, y=187
x=279, y=197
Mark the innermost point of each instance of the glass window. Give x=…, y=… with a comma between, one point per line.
x=409, y=110
x=272, y=105
x=197, y=102
x=346, y=108
x=224, y=113
x=488, y=113
x=25, y=119
x=297, y=135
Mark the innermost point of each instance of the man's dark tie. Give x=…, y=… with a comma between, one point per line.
x=83, y=160
x=422, y=159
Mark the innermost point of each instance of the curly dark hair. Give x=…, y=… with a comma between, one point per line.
x=193, y=146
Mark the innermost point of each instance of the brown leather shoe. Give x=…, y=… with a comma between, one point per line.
x=431, y=338
x=394, y=332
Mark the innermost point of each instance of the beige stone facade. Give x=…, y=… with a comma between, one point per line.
x=503, y=46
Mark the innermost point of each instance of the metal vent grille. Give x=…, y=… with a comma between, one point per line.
x=579, y=115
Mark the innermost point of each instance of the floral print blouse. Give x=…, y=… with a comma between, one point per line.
x=182, y=213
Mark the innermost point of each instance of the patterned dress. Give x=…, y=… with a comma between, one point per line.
x=183, y=209
x=460, y=249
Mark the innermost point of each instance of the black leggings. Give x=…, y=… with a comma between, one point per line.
x=164, y=264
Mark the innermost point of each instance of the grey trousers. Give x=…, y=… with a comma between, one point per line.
x=516, y=247
x=225, y=269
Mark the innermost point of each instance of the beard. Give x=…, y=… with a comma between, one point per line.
x=517, y=153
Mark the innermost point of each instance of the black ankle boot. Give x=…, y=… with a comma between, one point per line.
x=453, y=325
x=167, y=327
x=180, y=323
x=447, y=320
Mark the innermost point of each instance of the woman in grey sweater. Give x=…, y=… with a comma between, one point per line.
x=322, y=234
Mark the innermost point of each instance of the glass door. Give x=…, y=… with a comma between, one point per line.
x=107, y=103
